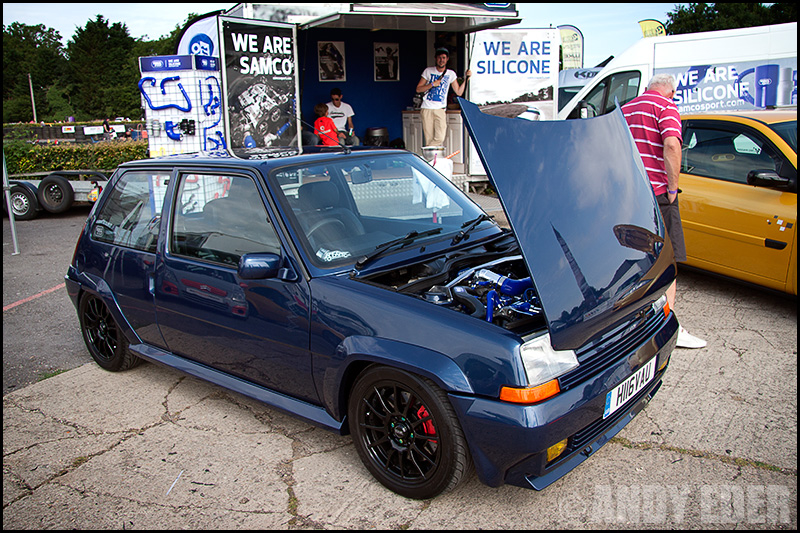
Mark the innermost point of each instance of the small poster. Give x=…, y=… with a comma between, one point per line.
x=331, y=61
x=387, y=61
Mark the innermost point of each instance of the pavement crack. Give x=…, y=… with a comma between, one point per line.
x=740, y=462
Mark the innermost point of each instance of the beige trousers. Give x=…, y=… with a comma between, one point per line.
x=434, y=126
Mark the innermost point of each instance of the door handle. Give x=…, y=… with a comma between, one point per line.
x=777, y=245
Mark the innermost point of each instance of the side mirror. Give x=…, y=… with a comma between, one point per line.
x=766, y=178
x=583, y=109
x=259, y=266
x=265, y=266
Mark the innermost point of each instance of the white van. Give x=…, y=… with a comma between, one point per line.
x=744, y=68
x=571, y=81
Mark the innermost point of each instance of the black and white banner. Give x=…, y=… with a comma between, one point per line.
x=260, y=87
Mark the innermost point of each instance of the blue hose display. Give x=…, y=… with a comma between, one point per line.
x=152, y=82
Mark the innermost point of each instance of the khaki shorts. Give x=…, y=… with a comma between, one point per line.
x=671, y=214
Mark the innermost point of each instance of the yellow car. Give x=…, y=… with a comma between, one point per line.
x=739, y=195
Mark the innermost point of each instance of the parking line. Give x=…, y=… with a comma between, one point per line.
x=29, y=298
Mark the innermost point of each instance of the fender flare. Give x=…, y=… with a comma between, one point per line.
x=98, y=287
x=357, y=352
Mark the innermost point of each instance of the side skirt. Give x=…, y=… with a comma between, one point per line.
x=311, y=413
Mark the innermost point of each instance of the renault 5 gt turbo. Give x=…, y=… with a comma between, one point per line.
x=365, y=293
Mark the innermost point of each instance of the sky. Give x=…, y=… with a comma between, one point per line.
x=608, y=29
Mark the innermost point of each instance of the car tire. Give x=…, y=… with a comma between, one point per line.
x=23, y=203
x=55, y=194
x=407, y=434
x=103, y=337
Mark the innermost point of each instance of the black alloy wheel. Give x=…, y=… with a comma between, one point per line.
x=407, y=434
x=103, y=337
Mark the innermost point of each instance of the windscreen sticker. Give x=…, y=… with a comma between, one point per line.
x=331, y=255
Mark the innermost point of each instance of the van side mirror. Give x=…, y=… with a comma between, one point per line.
x=583, y=109
x=586, y=109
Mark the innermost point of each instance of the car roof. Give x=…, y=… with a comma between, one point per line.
x=767, y=116
x=222, y=158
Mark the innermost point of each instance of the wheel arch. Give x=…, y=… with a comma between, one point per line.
x=357, y=354
x=91, y=286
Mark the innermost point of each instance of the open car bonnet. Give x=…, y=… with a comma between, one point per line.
x=578, y=200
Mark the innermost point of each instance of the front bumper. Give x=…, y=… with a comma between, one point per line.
x=509, y=442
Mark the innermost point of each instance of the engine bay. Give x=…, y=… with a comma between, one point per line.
x=487, y=284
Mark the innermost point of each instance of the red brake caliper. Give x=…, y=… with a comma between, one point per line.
x=428, y=424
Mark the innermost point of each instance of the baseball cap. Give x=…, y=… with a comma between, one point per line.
x=442, y=50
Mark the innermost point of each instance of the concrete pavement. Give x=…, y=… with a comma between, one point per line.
x=154, y=449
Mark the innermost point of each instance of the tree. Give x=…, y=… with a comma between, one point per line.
x=96, y=76
x=697, y=17
x=34, y=50
x=98, y=55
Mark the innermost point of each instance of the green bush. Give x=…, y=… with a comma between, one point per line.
x=23, y=157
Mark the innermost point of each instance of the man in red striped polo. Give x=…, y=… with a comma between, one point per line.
x=655, y=124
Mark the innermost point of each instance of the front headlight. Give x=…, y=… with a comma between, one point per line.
x=542, y=363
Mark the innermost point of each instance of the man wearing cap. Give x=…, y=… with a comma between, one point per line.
x=435, y=82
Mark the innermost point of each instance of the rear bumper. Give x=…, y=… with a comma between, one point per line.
x=72, y=285
x=509, y=442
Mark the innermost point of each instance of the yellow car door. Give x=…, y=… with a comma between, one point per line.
x=730, y=227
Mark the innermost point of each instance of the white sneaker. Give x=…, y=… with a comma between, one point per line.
x=687, y=340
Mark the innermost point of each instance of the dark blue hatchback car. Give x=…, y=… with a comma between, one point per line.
x=365, y=293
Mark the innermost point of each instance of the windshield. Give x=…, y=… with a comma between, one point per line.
x=347, y=208
x=788, y=132
x=565, y=95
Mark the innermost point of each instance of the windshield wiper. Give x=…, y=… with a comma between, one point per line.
x=408, y=238
x=468, y=227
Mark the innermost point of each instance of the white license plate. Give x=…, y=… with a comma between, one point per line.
x=626, y=390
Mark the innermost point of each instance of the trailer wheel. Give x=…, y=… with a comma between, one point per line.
x=55, y=194
x=23, y=203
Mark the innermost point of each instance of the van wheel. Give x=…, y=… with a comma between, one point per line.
x=55, y=194
x=407, y=433
x=103, y=337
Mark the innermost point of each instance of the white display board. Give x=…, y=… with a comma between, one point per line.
x=514, y=72
x=182, y=98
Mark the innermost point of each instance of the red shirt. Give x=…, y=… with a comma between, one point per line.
x=652, y=118
x=325, y=129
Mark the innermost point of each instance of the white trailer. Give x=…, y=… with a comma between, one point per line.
x=55, y=192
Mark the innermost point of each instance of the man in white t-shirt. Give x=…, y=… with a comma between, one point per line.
x=435, y=82
x=342, y=116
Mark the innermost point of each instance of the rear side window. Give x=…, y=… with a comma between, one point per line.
x=219, y=218
x=131, y=215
